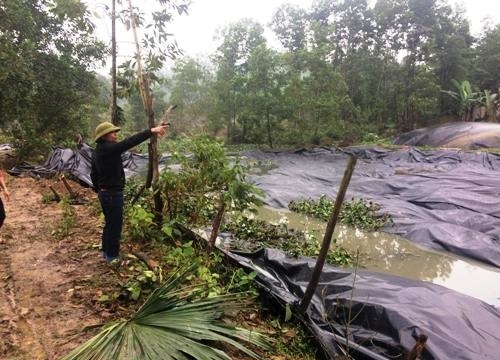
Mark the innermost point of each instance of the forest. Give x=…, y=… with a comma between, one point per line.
x=345, y=72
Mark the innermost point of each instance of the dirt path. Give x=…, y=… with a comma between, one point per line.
x=44, y=303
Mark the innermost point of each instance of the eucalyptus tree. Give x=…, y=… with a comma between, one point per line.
x=391, y=24
x=265, y=84
x=405, y=38
x=329, y=111
x=322, y=29
x=238, y=40
x=418, y=23
x=354, y=34
x=487, y=60
x=290, y=24
x=191, y=88
x=292, y=27
x=352, y=21
x=47, y=53
x=358, y=42
x=424, y=100
x=452, y=51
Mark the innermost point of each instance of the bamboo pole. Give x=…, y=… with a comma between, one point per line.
x=327, y=239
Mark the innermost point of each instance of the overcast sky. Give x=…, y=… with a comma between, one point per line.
x=195, y=32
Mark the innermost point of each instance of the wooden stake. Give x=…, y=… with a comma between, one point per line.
x=327, y=239
x=72, y=194
x=216, y=224
x=418, y=348
x=57, y=198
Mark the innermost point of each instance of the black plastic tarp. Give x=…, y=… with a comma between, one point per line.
x=447, y=199
x=76, y=163
x=387, y=312
x=464, y=135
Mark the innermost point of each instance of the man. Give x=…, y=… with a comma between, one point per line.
x=3, y=187
x=108, y=179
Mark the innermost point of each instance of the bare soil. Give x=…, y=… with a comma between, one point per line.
x=44, y=303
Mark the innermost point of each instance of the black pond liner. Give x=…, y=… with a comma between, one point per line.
x=441, y=199
x=464, y=135
x=388, y=312
x=76, y=163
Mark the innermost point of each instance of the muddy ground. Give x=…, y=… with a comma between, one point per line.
x=44, y=301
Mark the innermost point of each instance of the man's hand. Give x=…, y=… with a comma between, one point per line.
x=160, y=130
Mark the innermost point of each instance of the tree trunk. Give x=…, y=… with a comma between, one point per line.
x=114, y=111
x=147, y=101
x=269, y=135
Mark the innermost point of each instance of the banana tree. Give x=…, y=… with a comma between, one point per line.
x=489, y=100
x=173, y=324
x=466, y=98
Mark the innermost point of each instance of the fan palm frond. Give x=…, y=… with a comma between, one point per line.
x=173, y=324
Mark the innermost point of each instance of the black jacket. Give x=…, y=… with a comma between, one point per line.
x=107, y=165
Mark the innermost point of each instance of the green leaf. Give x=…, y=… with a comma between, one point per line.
x=167, y=230
x=288, y=313
x=173, y=324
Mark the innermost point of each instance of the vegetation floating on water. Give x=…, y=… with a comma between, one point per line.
x=357, y=213
x=252, y=234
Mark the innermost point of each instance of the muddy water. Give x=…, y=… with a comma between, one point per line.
x=394, y=255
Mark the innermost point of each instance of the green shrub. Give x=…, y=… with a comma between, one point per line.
x=140, y=224
x=201, y=178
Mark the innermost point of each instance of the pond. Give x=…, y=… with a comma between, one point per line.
x=387, y=253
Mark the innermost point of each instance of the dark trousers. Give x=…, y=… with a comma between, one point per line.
x=112, y=207
x=2, y=213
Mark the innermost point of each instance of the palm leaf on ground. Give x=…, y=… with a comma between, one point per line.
x=173, y=324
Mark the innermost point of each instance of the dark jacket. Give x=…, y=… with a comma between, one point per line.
x=107, y=165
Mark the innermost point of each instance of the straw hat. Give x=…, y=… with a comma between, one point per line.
x=105, y=128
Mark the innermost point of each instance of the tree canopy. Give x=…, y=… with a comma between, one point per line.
x=345, y=69
x=47, y=51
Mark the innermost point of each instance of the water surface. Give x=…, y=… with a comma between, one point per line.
x=383, y=252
